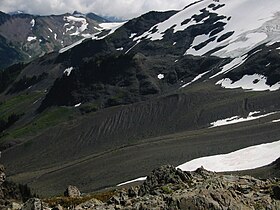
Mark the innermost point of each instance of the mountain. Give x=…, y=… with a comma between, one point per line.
x=163, y=88
x=24, y=37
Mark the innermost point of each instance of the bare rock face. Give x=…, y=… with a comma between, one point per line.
x=72, y=191
x=34, y=204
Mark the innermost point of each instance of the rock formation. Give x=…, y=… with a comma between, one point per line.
x=170, y=188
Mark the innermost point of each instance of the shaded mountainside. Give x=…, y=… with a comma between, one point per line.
x=145, y=95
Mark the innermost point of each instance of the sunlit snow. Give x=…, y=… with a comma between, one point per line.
x=71, y=46
x=195, y=79
x=239, y=119
x=68, y=71
x=32, y=22
x=255, y=82
x=31, y=38
x=77, y=105
x=244, y=159
x=131, y=181
x=160, y=76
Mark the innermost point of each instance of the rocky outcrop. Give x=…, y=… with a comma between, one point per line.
x=170, y=188
x=35, y=204
x=72, y=192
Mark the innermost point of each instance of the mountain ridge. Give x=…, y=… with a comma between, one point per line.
x=129, y=96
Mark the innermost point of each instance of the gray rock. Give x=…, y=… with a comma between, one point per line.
x=72, y=191
x=34, y=204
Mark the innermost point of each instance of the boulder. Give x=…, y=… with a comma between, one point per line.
x=72, y=191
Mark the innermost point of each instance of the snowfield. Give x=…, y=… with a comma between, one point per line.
x=245, y=159
x=254, y=82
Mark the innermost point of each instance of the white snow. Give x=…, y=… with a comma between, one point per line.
x=254, y=82
x=111, y=26
x=82, y=21
x=252, y=21
x=31, y=38
x=119, y=49
x=55, y=36
x=195, y=79
x=238, y=61
x=77, y=105
x=174, y=43
x=32, y=22
x=131, y=181
x=132, y=35
x=244, y=159
x=50, y=30
x=276, y=121
x=69, y=29
x=160, y=76
x=68, y=71
x=71, y=46
x=239, y=119
x=249, y=22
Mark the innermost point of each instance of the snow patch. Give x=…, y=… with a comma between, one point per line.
x=244, y=159
x=82, y=21
x=77, y=105
x=119, y=49
x=32, y=22
x=132, y=35
x=239, y=119
x=254, y=82
x=238, y=61
x=50, y=30
x=55, y=36
x=68, y=71
x=160, y=76
x=255, y=156
x=195, y=79
x=131, y=181
x=71, y=46
x=31, y=38
x=276, y=121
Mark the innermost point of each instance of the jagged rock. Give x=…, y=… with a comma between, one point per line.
x=34, y=204
x=169, y=188
x=91, y=204
x=72, y=191
x=132, y=192
x=163, y=176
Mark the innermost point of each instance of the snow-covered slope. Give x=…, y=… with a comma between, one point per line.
x=249, y=22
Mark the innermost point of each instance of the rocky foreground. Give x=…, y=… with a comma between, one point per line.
x=170, y=188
